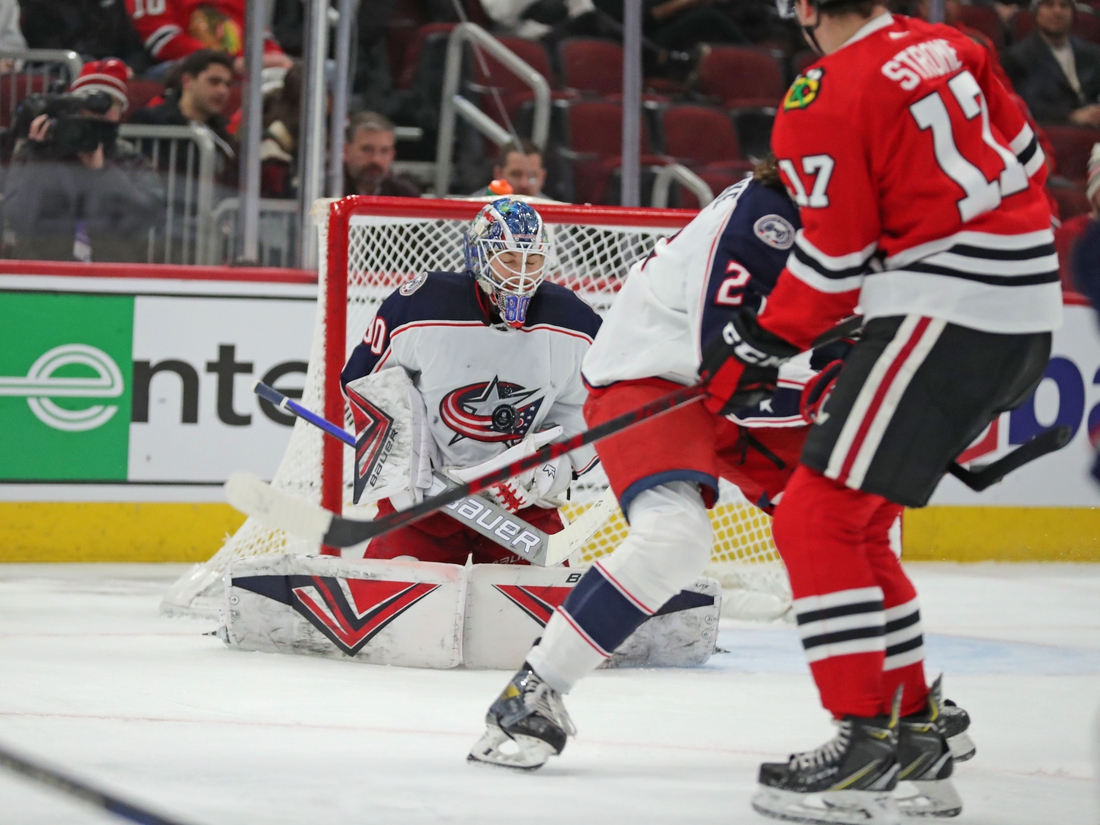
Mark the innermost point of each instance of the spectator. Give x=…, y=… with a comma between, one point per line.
x=279, y=147
x=368, y=157
x=521, y=165
x=179, y=28
x=1058, y=75
x=74, y=190
x=108, y=76
x=93, y=28
x=205, y=77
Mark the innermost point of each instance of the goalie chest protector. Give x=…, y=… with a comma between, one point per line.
x=484, y=388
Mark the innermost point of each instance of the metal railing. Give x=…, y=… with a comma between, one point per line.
x=34, y=71
x=684, y=176
x=185, y=157
x=277, y=232
x=453, y=104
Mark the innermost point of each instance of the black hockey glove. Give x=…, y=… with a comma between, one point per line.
x=741, y=364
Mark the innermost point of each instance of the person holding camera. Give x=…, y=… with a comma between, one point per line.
x=75, y=191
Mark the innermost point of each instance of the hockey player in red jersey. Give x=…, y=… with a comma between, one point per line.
x=172, y=29
x=919, y=187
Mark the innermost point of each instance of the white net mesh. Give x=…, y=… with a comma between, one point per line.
x=591, y=256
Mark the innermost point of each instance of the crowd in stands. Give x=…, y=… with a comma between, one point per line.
x=714, y=72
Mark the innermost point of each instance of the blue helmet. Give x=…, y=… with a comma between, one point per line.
x=508, y=225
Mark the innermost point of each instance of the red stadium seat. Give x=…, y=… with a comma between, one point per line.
x=700, y=134
x=742, y=77
x=592, y=65
x=595, y=138
x=139, y=92
x=1072, y=201
x=802, y=61
x=513, y=92
x=1021, y=25
x=1087, y=25
x=985, y=20
x=1072, y=147
x=431, y=33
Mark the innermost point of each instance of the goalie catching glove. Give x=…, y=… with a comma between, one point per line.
x=741, y=364
x=537, y=486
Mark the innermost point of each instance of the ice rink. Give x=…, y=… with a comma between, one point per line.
x=93, y=681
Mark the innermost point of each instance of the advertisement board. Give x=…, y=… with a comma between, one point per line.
x=142, y=391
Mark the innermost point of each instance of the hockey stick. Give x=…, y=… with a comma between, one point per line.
x=276, y=508
x=476, y=512
x=988, y=475
x=81, y=790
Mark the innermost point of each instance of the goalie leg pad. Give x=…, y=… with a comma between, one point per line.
x=378, y=612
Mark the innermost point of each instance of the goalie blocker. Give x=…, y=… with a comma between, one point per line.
x=417, y=614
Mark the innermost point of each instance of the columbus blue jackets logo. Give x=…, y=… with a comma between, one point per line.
x=490, y=411
x=774, y=231
x=349, y=612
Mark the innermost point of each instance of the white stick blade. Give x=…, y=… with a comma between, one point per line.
x=276, y=508
x=581, y=529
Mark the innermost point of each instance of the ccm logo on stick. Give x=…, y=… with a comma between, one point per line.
x=476, y=512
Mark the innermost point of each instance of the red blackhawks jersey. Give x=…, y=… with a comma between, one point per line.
x=919, y=184
x=172, y=29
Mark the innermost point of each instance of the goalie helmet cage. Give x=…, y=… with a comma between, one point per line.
x=373, y=245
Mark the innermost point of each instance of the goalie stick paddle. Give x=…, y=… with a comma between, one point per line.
x=81, y=790
x=276, y=508
x=478, y=513
x=980, y=478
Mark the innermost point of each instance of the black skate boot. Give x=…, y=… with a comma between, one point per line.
x=925, y=762
x=849, y=779
x=956, y=726
x=525, y=726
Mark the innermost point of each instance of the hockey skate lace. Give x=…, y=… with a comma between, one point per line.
x=831, y=751
x=544, y=701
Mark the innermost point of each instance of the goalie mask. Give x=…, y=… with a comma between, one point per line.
x=507, y=249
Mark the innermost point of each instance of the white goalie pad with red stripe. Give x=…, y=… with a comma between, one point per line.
x=380, y=612
x=507, y=607
x=421, y=614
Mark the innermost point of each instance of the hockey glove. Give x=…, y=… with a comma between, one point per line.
x=817, y=390
x=741, y=365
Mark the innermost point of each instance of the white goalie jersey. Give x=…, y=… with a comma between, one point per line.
x=484, y=388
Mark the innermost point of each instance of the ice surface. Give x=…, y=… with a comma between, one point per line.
x=93, y=681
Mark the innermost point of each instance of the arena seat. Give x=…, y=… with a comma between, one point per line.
x=742, y=77
x=704, y=139
x=139, y=92
x=985, y=20
x=589, y=64
x=1072, y=200
x=431, y=36
x=594, y=146
x=1072, y=147
x=514, y=93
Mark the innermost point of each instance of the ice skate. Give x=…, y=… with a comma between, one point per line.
x=925, y=762
x=849, y=779
x=526, y=725
x=956, y=724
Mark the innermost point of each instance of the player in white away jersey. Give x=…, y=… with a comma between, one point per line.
x=495, y=352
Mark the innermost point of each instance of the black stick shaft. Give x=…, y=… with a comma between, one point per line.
x=80, y=790
x=356, y=531
x=1048, y=442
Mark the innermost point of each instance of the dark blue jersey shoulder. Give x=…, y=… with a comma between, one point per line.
x=559, y=306
x=454, y=296
x=751, y=252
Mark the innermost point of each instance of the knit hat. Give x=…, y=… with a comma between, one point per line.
x=1036, y=3
x=1094, y=173
x=108, y=76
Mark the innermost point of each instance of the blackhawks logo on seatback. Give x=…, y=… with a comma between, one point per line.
x=804, y=90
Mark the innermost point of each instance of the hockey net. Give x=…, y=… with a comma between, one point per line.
x=369, y=246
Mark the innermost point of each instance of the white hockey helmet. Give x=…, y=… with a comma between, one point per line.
x=508, y=225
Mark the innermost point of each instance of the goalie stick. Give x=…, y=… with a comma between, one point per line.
x=81, y=790
x=476, y=512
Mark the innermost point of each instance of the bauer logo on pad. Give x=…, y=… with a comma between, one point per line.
x=349, y=612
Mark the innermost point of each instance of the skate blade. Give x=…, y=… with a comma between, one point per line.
x=847, y=807
x=524, y=753
x=962, y=747
x=934, y=798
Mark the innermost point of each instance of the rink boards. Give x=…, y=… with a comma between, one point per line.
x=125, y=402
